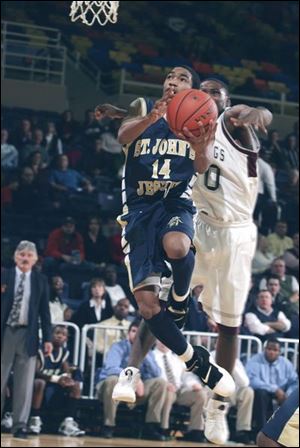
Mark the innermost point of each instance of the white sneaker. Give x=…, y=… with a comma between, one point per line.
x=35, y=425
x=7, y=421
x=125, y=388
x=216, y=426
x=70, y=428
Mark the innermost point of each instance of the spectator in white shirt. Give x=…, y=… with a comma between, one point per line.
x=266, y=207
x=263, y=258
x=9, y=154
x=115, y=291
x=263, y=320
x=184, y=389
x=288, y=283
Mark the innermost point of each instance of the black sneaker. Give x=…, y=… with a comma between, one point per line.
x=178, y=311
x=108, y=432
x=212, y=375
x=151, y=431
x=243, y=437
x=194, y=436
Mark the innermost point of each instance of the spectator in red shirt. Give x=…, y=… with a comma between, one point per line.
x=64, y=247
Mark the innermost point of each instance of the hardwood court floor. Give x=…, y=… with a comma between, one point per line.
x=57, y=441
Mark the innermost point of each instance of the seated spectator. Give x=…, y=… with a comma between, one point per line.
x=151, y=388
x=59, y=308
x=183, y=389
x=288, y=283
x=114, y=242
x=265, y=212
x=54, y=145
x=91, y=129
x=243, y=400
x=66, y=181
x=115, y=290
x=64, y=247
x=291, y=257
x=263, y=320
x=272, y=377
x=105, y=339
x=9, y=154
x=95, y=243
x=291, y=152
x=38, y=144
x=263, y=257
x=278, y=241
x=97, y=308
x=27, y=197
x=23, y=135
x=98, y=162
x=67, y=129
x=56, y=385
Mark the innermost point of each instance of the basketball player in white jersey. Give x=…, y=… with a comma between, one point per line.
x=225, y=237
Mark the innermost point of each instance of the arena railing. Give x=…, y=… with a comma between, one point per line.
x=32, y=53
x=129, y=86
x=83, y=351
x=253, y=345
x=290, y=349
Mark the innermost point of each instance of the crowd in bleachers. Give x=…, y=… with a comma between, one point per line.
x=61, y=189
x=213, y=38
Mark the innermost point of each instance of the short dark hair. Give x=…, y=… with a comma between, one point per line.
x=195, y=77
x=272, y=340
x=274, y=276
x=222, y=83
x=135, y=323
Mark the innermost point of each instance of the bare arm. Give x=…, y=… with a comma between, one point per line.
x=138, y=121
x=242, y=120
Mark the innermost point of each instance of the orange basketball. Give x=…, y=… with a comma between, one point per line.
x=189, y=107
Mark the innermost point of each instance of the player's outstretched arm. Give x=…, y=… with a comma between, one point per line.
x=242, y=116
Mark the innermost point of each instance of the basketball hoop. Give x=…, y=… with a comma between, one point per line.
x=88, y=12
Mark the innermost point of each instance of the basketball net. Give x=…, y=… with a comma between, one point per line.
x=88, y=12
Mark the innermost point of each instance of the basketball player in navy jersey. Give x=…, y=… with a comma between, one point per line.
x=57, y=383
x=282, y=429
x=157, y=223
x=230, y=203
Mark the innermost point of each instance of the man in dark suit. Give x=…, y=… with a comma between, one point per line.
x=24, y=300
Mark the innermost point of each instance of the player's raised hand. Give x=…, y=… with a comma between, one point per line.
x=160, y=106
x=251, y=116
x=108, y=110
x=205, y=138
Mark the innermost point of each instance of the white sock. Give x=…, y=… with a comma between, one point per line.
x=188, y=354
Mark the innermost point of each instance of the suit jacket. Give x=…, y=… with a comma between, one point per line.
x=86, y=314
x=38, y=307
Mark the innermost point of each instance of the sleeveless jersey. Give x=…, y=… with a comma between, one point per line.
x=52, y=365
x=158, y=165
x=226, y=194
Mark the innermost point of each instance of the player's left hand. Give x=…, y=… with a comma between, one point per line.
x=250, y=117
x=205, y=139
x=48, y=347
x=108, y=110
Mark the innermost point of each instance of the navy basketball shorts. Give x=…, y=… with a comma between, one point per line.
x=143, y=230
x=283, y=426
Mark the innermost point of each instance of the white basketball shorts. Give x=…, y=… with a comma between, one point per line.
x=223, y=266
